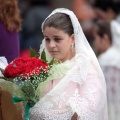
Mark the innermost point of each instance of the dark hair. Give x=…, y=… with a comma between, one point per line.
x=106, y=4
x=60, y=21
x=103, y=27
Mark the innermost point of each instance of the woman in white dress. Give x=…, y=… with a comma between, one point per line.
x=76, y=89
x=108, y=37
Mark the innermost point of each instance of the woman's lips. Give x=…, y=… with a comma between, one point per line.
x=53, y=52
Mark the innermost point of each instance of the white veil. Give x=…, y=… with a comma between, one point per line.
x=81, y=43
x=83, y=86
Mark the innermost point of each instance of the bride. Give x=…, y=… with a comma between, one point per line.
x=76, y=89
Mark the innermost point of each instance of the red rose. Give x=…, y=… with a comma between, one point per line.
x=25, y=66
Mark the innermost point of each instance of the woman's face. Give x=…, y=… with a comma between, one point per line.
x=58, y=43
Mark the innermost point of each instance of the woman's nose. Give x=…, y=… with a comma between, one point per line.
x=52, y=44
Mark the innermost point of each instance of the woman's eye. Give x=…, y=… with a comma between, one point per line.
x=57, y=39
x=47, y=39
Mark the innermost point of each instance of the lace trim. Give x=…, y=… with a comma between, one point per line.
x=52, y=115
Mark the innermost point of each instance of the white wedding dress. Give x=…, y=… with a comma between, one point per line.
x=76, y=86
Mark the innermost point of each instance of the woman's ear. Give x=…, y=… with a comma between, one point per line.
x=73, y=38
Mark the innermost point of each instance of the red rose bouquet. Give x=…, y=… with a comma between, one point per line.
x=23, y=76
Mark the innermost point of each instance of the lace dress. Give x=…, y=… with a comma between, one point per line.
x=63, y=97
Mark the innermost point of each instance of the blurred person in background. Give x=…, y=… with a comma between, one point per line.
x=31, y=35
x=9, y=48
x=9, y=27
x=107, y=9
x=107, y=42
x=86, y=15
x=102, y=36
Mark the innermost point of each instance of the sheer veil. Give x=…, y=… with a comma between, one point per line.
x=81, y=43
x=82, y=46
x=83, y=86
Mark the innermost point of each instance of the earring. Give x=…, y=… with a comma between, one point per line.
x=72, y=47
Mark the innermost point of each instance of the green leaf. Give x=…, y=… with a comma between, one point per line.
x=3, y=78
x=51, y=62
x=33, y=53
x=43, y=56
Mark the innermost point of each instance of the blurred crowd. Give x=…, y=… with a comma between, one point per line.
x=33, y=12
